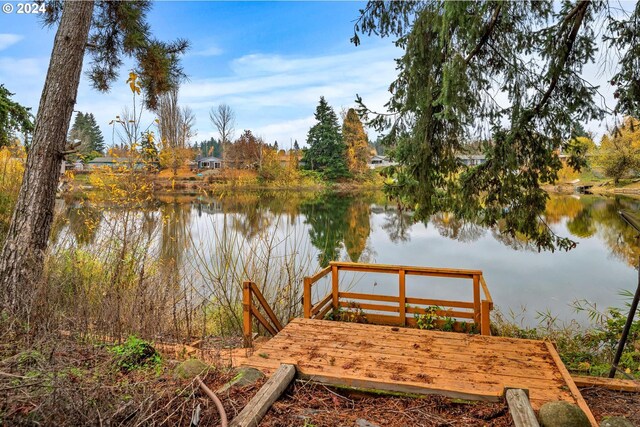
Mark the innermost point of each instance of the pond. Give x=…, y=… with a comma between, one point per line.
x=307, y=230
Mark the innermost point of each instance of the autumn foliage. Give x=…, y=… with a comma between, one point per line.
x=619, y=152
x=356, y=141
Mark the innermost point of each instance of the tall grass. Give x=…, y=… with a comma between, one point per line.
x=11, y=170
x=584, y=349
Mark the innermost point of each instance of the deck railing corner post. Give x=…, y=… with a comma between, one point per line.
x=246, y=313
x=402, y=297
x=476, y=299
x=335, y=289
x=306, y=297
x=485, y=320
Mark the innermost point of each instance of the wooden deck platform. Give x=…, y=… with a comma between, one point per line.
x=418, y=361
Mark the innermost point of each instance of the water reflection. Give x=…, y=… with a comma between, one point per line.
x=365, y=228
x=336, y=223
x=339, y=224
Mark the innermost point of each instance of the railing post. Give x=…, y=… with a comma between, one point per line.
x=402, y=297
x=476, y=299
x=306, y=297
x=246, y=313
x=334, y=285
x=485, y=324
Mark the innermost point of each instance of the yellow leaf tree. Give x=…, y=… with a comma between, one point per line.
x=619, y=152
x=356, y=141
x=585, y=145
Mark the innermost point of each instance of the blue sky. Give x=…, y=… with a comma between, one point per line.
x=270, y=61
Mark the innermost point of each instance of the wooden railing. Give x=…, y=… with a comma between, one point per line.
x=249, y=311
x=407, y=308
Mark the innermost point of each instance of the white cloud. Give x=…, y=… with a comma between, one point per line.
x=7, y=40
x=283, y=131
x=25, y=78
x=20, y=68
x=208, y=51
x=276, y=95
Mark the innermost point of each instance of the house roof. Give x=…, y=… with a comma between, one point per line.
x=380, y=157
x=107, y=159
x=210, y=159
x=472, y=156
x=110, y=159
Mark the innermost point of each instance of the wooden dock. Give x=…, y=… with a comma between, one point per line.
x=474, y=367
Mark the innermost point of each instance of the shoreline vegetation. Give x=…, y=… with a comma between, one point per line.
x=197, y=182
x=194, y=181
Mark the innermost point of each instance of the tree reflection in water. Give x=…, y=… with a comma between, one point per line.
x=339, y=225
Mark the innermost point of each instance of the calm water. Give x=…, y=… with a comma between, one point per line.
x=364, y=228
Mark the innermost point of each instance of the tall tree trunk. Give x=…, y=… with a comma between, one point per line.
x=21, y=260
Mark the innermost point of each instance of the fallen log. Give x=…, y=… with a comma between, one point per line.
x=262, y=401
x=615, y=384
x=520, y=408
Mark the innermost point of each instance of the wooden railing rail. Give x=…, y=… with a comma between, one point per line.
x=478, y=310
x=249, y=311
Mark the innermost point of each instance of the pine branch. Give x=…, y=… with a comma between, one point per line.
x=486, y=35
x=577, y=14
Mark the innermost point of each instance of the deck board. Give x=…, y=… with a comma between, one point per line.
x=417, y=361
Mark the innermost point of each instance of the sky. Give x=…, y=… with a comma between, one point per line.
x=269, y=60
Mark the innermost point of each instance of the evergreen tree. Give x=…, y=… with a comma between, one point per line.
x=13, y=117
x=326, y=152
x=86, y=130
x=296, y=147
x=97, y=140
x=210, y=147
x=356, y=142
x=378, y=145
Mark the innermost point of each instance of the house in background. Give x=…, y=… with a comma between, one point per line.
x=472, y=159
x=379, y=161
x=209, y=163
x=116, y=163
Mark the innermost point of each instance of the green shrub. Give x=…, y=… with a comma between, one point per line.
x=135, y=354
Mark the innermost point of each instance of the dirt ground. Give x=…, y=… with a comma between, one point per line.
x=612, y=403
x=307, y=404
x=66, y=383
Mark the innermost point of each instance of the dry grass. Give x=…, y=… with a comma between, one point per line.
x=64, y=382
x=183, y=172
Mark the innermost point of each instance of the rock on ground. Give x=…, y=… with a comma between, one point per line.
x=188, y=369
x=562, y=414
x=616, y=422
x=361, y=422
